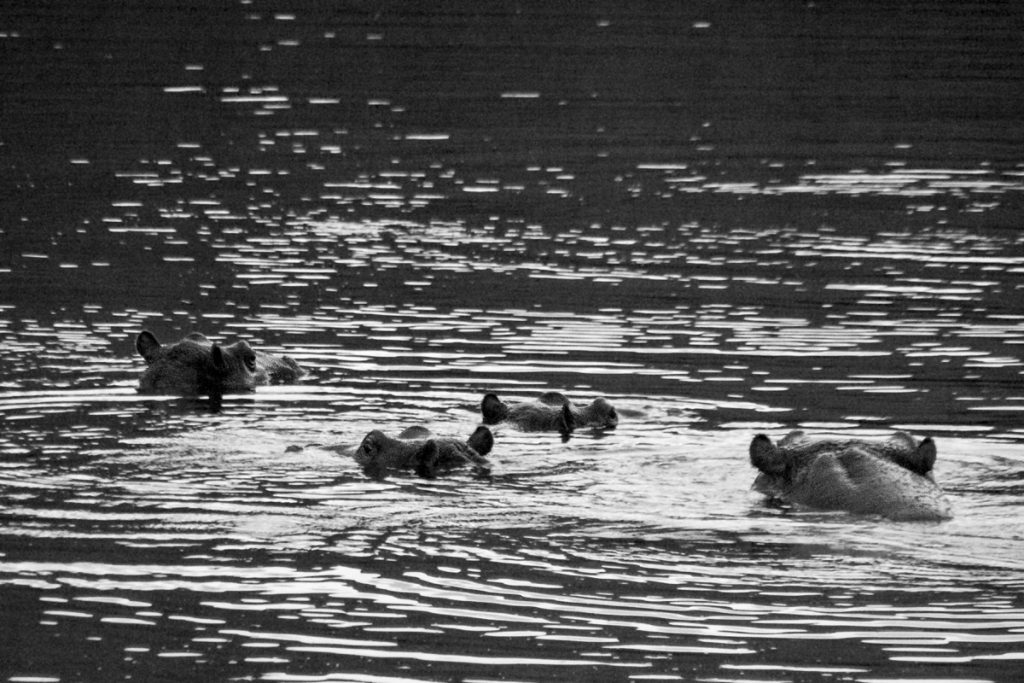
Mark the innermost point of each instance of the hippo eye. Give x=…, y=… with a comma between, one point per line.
x=369, y=445
x=250, y=362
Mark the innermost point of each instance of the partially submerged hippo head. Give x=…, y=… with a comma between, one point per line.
x=196, y=366
x=416, y=449
x=600, y=414
x=552, y=411
x=892, y=478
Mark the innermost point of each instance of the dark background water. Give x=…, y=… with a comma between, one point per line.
x=725, y=217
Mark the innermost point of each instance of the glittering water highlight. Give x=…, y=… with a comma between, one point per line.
x=724, y=222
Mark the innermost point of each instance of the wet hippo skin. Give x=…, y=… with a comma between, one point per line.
x=892, y=478
x=552, y=411
x=417, y=449
x=196, y=366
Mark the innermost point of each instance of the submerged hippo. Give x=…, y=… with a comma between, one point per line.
x=416, y=449
x=552, y=411
x=196, y=366
x=892, y=478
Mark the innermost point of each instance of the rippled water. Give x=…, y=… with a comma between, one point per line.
x=726, y=220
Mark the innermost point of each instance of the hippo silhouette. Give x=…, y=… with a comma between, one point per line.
x=416, y=449
x=196, y=366
x=891, y=478
x=552, y=411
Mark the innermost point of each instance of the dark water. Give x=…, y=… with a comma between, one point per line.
x=727, y=218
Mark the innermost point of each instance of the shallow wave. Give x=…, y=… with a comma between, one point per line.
x=424, y=205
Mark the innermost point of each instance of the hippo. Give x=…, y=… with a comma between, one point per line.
x=196, y=366
x=552, y=411
x=892, y=478
x=417, y=449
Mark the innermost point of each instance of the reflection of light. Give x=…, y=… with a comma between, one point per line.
x=253, y=98
x=901, y=181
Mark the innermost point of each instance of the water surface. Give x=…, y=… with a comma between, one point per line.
x=726, y=220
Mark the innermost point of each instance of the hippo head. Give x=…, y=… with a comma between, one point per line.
x=796, y=447
x=196, y=366
x=891, y=478
x=428, y=457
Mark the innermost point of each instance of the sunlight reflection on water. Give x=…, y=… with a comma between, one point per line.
x=723, y=222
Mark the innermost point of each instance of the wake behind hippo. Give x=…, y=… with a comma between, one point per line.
x=891, y=478
x=195, y=366
x=552, y=411
x=417, y=449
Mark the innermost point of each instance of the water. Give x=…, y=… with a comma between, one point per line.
x=727, y=220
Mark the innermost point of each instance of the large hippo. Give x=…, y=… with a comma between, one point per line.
x=552, y=411
x=195, y=366
x=892, y=478
x=417, y=449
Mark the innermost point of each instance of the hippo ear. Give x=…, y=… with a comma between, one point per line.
x=926, y=454
x=765, y=456
x=147, y=346
x=567, y=423
x=219, y=361
x=481, y=441
x=426, y=460
x=493, y=410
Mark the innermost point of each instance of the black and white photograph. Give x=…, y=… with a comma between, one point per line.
x=521, y=341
